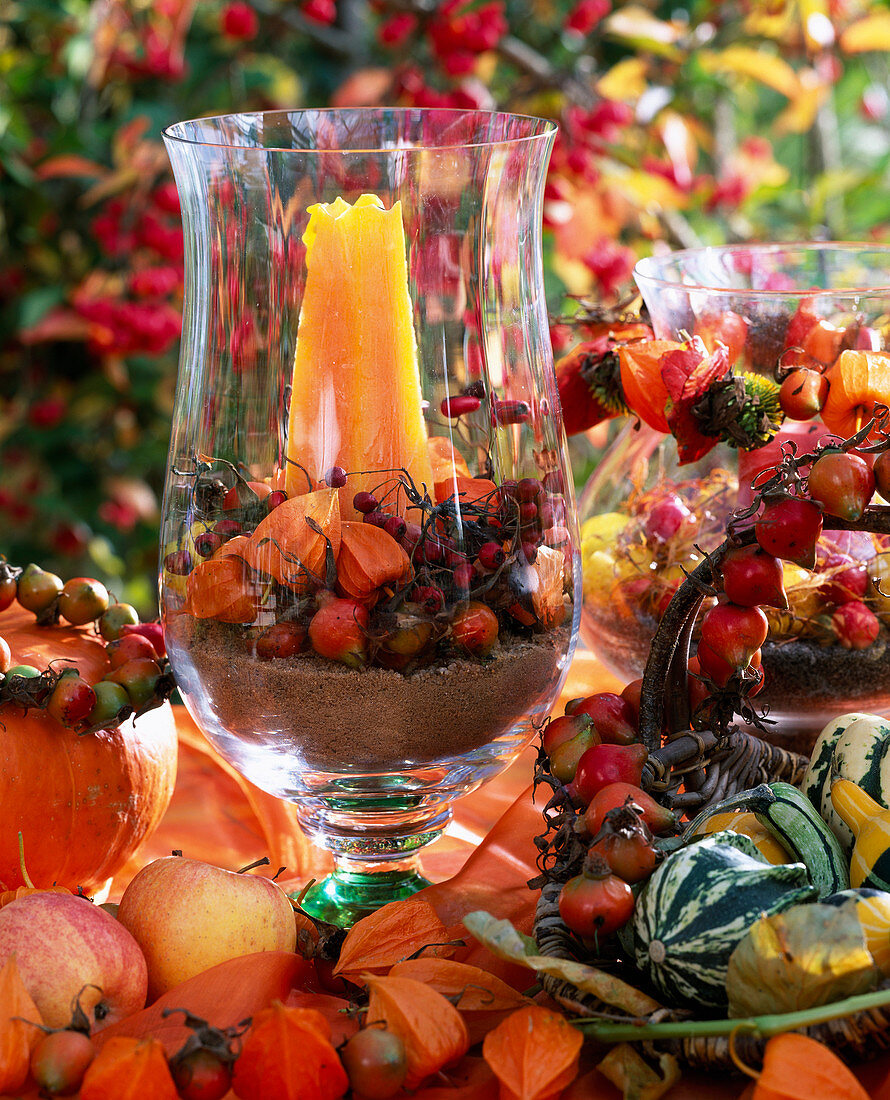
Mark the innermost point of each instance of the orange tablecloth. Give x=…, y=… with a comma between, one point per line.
x=217, y=816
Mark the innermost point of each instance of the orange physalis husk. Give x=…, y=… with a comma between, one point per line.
x=221, y=589
x=547, y=597
x=285, y=546
x=633, y=1075
x=796, y=1067
x=468, y=490
x=389, y=935
x=237, y=547
x=484, y=999
x=470, y=1079
x=445, y=459
x=18, y=1037
x=431, y=1028
x=129, y=1069
x=287, y=1055
x=857, y=381
x=21, y=891
x=534, y=1054
x=641, y=382
x=369, y=558
x=343, y=1023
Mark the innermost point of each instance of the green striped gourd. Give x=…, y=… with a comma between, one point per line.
x=699, y=904
x=856, y=747
x=793, y=826
x=873, y=910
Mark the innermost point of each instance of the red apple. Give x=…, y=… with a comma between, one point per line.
x=187, y=916
x=65, y=946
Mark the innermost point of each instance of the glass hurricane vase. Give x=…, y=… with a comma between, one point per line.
x=369, y=552
x=646, y=517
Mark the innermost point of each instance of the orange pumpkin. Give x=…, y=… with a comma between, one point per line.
x=82, y=804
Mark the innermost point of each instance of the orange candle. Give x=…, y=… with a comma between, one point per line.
x=356, y=395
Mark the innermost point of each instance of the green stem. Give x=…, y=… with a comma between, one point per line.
x=765, y=1026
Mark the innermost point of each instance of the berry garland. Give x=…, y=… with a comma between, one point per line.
x=138, y=680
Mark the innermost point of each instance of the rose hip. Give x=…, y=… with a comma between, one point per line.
x=752, y=577
x=855, y=625
x=82, y=600
x=659, y=818
x=529, y=489
x=667, y=519
x=733, y=632
x=114, y=621
x=364, y=502
x=509, y=412
x=613, y=717
x=491, y=556
x=112, y=703
x=881, y=470
x=803, y=393
x=475, y=628
x=338, y=631
x=138, y=678
x=605, y=764
x=284, y=639
x=565, y=756
x=276, y=498
x=716, y=668
x=37, y=589
x=128, y=648
x=335, y=478
x=789, y=529
x=178, y=562
x=7, y=589
x=845, y=579
x=71, y=700
x=228, y=528
x=841, y=484
x=459, y=405
x=207, y=543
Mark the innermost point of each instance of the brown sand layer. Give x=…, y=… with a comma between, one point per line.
x=335, y=718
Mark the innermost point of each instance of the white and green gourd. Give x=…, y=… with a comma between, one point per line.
x=699, y=904
x=856, y=747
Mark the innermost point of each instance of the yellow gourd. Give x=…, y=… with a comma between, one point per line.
x=746, y=824
x=872, y=908
x=870, y=822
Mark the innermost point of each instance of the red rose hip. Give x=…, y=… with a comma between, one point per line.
x=752, y=577
x=789, y=529
x=841, y=484
x=338, y=631
x=612, y=715
x=733, y=632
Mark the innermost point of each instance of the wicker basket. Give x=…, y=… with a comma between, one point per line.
x=707, y=758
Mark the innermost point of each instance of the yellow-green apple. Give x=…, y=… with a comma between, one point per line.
x=65, y=946
x=188, y=915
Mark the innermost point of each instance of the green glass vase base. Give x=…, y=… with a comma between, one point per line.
x=346, y=896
